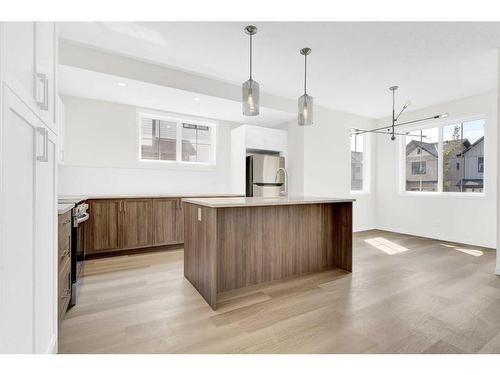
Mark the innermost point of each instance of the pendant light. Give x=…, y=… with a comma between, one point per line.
x=250, y=88
x=305, y=101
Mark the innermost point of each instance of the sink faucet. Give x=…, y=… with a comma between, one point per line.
x=286, y=179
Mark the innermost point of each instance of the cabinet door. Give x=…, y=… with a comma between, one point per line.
x=45, y=82
x=179, y=218
x=61, y=126
x=17, y=230
x=164, y=221
x=19, y=58
x=104, y=226
x=136, y=223
x=28, y=253
x=64, y=237
x=46, y=259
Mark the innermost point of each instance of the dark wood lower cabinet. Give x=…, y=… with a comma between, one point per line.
x=133, y=223
x=179, y=218
x=103, y=231
x=136, y=223
x=164, y=221
x=64, y=264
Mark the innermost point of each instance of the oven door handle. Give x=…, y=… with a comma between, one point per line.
x=81, y=219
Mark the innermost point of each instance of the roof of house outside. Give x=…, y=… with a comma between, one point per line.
x=472, y=145
x=431, y=148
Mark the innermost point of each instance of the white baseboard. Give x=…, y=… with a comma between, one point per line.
x=363, y=229
x=436, y=237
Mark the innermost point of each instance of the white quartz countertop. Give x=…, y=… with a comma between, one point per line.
x=78, y=198
x=262, y=201
x=63, y=208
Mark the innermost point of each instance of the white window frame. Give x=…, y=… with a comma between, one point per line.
x=178, y=145
x=366, y=164
x=440, y=193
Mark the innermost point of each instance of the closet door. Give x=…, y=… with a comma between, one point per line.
x=20, y=144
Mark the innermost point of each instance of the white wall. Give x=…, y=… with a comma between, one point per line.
x=238, y=164
x=101, y=147
x=324, y=161
x=470, y=220
x=295, y=162
x=497, y=271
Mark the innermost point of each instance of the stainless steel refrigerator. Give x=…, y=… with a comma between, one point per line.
x=262, y=179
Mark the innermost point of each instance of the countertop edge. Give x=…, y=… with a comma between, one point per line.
x=144, y=196
x=64, y=207
x=200, y=202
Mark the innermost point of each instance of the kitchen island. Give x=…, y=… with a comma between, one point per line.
x=232, y=243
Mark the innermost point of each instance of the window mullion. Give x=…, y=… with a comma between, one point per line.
x=178, y=142
x=440, y=159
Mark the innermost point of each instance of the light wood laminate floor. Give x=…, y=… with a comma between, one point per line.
x=406, y=295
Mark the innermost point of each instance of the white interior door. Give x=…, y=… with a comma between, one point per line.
x=17, y=225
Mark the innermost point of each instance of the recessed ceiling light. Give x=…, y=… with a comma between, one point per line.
x=196, y=99
x=122, y=84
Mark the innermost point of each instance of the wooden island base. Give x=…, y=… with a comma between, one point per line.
x=231, y=247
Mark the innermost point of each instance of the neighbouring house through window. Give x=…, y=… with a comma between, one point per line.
x=418, y=167
x=358, y=162
x=457, y=148
x=170, y=139
x=421, y=160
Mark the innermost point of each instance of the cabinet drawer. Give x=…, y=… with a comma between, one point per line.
x=64, y=237
x=64, y=290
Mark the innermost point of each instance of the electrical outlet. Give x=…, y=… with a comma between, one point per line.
x=199, y=214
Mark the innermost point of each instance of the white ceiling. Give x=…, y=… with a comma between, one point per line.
x=94, y=85
x=350, y=68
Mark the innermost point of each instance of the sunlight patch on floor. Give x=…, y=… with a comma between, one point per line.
x=473, y=252
x=386, y=246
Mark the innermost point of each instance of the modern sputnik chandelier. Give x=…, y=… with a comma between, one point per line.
x=250, y=89
x=391, y=129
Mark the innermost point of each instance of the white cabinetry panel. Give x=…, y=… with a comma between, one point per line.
x=28, y=230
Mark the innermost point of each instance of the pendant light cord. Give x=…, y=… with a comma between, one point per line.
x=305, y=74
x=393, y=113
x=250, y=56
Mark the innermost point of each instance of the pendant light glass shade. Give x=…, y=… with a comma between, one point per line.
x=250, y=90
x=305, y=102
x=306, y=110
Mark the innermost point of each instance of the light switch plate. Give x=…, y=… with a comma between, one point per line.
x=199, y=214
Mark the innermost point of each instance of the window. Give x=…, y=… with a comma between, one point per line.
x=196, y=143
x=418, y=167
x=358, y=163
x=158, y=139
x=170, y=139
x=422, y=160
x=446, y=158
x=463, y=145
x=480, y=164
